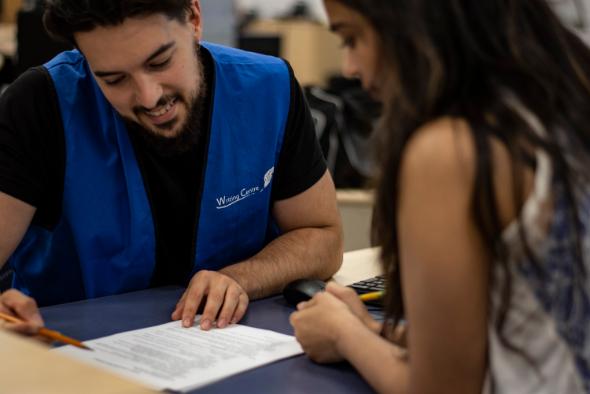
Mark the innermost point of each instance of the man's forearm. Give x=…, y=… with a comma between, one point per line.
x=300, y=253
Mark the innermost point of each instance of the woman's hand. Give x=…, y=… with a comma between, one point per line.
x=320, y=322
x=352, y=300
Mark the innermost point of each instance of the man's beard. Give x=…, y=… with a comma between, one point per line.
x=189, y=134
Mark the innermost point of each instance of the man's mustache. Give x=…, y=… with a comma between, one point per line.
x=164, y=100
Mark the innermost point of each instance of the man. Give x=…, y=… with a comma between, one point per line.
x=148, y=158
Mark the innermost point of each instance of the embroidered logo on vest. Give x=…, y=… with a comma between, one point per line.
x=268, y=177
x=246, y=192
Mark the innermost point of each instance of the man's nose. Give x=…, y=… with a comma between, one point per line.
x=147, y=92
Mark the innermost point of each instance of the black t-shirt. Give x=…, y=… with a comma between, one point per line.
x=32, y=166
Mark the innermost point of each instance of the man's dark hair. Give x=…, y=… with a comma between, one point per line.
x=63, y=18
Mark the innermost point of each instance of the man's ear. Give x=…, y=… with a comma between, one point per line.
x=194, y=18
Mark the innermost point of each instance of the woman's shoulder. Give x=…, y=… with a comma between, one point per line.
x=444, y=153
x=440, y=142
x=440, y=152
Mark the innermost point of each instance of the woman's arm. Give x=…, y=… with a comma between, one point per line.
x=444, y=263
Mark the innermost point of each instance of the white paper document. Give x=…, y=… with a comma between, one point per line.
x=171, y=357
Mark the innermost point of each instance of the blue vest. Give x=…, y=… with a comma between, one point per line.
x=104, y=242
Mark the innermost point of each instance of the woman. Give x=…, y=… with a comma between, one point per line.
x=483, y=203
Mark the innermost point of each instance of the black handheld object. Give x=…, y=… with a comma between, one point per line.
x=302, y=290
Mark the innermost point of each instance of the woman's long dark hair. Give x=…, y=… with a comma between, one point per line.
x=461, y=58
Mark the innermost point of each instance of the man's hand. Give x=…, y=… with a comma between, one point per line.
x=15, y=303
x=225, y=300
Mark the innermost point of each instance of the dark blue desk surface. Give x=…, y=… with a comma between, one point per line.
x=99, y=317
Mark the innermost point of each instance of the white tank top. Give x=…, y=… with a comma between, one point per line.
x=549, y=316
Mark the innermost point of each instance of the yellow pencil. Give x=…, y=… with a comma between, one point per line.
x=47, y=333
x=372, y=296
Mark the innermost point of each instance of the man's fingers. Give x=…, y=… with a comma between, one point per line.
x=230, y=303
x=177, y=314
x=215, y=299
x=240, y=311
x=191, y=305
x=234, y=307
x=223, y=298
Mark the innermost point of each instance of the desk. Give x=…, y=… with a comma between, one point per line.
x=99, y=317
